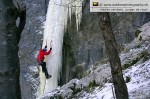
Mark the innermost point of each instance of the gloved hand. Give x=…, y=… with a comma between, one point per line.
x=50, y=48
x=46, y=46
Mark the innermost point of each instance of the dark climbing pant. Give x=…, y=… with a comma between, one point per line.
x=44, y=69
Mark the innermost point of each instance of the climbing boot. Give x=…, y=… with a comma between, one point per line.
x=48, y=76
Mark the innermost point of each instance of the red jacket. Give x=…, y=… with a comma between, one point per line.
x=41, y=54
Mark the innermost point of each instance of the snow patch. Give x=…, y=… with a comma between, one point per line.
x=139, y=84
x=33, y=69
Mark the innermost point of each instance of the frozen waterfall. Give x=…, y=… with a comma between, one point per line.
x=56, y=21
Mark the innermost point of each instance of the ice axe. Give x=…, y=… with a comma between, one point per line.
x=46, y=44
x=51, y=45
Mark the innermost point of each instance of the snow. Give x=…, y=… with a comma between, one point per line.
x=33, y=69
x=140, y=83
x=138, y=86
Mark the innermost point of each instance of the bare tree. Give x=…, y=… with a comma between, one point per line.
x=111, y=48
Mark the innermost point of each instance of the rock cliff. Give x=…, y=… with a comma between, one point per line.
x=23, y=22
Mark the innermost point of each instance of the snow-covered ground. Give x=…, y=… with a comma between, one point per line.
x=138, y=87
x=139, y=73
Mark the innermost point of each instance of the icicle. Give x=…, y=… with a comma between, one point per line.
x=77, y=10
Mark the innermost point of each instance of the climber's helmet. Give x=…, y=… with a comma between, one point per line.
x=45, y=49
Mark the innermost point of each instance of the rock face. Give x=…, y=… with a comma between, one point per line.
x=81, y=48
x=85, y=47
x=30, y=43
x=9, y=69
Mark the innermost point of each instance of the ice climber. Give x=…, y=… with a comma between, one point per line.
x=40, y=59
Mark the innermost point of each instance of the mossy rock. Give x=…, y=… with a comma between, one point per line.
x=144, y=55
x=125, y=66
x=104, y=60
x=128, y=79
x=78, y=71
x=74, y=89
x=93, y=84
x=140, y=38
x=137, y=32
x=138, y=46
x=57, y=97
